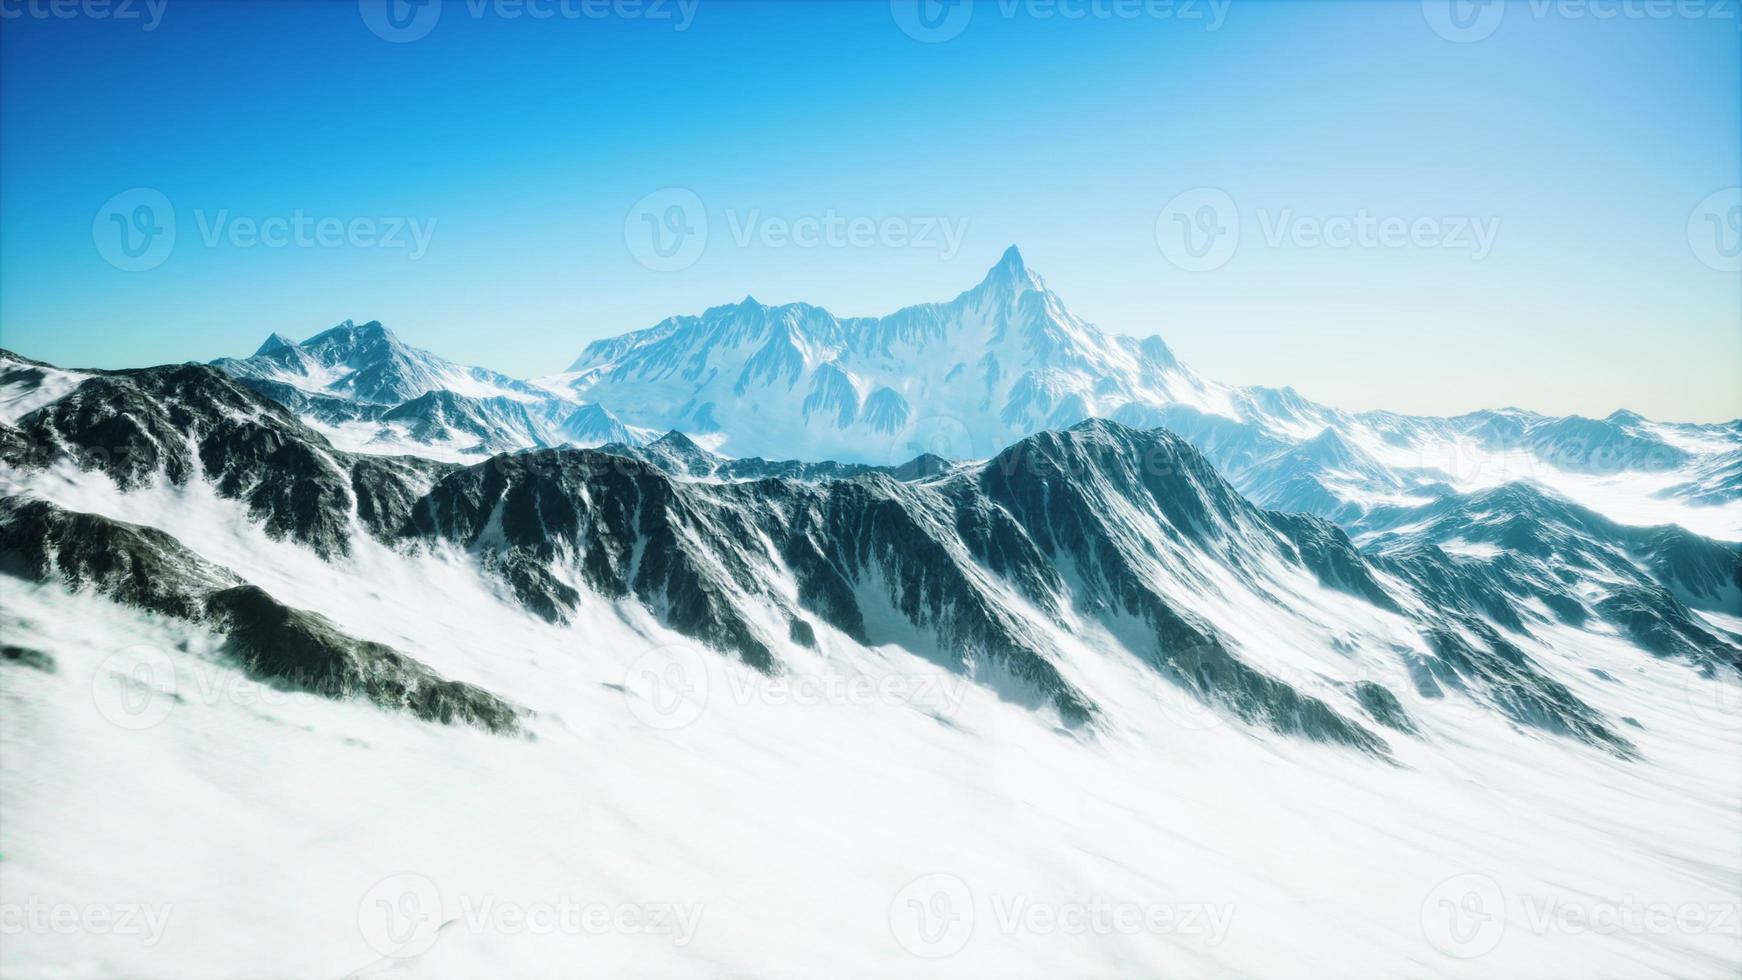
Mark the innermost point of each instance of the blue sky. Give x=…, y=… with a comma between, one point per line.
x=1588, y=149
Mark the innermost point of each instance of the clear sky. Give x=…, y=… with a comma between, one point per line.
x=1556, y=169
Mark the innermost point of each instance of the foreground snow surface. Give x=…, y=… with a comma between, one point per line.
x=871, y=814
x=791, y=837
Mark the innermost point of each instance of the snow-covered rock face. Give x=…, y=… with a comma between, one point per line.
x=786, y=696
x=369, y=392
x=368, y=363
x=996, y=562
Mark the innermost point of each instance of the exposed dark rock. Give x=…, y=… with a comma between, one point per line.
x=144, y=567
x=1101, y=522
x=302, y=650
x=28, y=657
x=1383, y=706
x=138, y=566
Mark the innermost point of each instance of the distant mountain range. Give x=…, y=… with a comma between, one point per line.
x=964, y=379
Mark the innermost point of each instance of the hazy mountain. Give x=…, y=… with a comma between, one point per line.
x=368, y=391
x=1006, y=359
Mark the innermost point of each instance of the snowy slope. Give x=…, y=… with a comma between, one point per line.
x=858, y=724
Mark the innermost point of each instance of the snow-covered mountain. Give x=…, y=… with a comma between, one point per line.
x=964, y=379
x=368, y=363
x=368, y=391
x=1083, y=670
x=1006, y=359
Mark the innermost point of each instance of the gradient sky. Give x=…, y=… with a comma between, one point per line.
x=527, y=142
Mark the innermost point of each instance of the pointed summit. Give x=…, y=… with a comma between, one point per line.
x=1012, y=273
x=276, y=342
x=676, y=440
